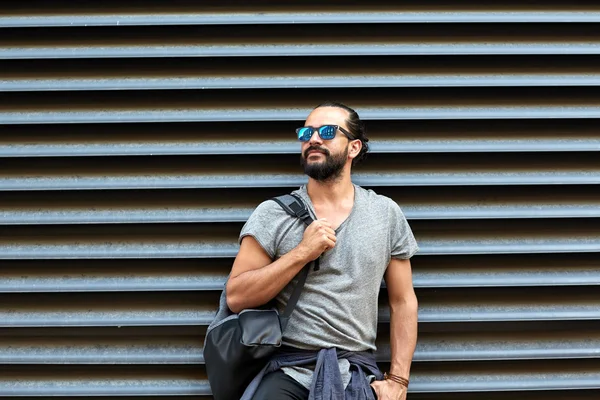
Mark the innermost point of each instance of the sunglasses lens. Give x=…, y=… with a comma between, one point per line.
x=304, y=134
x=327, y=132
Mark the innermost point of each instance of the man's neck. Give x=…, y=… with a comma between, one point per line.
x=330, y=192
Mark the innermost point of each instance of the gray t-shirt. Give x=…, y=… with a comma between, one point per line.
x=339, y=304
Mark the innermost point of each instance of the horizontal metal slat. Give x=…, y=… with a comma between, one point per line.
x=170, y=146
x=230, y=205
x=506, y=271
x=108, y=310
x=109, y=382
x=71, y=248
x=171, y=213
x=283, y=82
x=188, y=350
x=109, y=332
x=515, y=395
x=285, y=73
x=293, y=106
x=270, y=138
x=41, y=116
x=220, y=240
x=514, y=244
x=210, y=275
x=479, y=378
x=101, y=350
x=184, y=241
x=320, y=50
x=198, y=309
x=98, y=215
x=322, y=16
x=502, y=304
x=479, y=346
x=109, y=13
x=506, y=377
x=114, y=276
x=235, y=205
x=282, y=171
x=299, y=40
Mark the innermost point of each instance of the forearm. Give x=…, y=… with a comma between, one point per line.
x=257, y=287
x=403, y=335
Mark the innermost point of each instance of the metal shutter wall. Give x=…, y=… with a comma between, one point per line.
x=137, y=136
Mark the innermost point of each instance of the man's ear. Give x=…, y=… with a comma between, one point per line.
x=355, y=148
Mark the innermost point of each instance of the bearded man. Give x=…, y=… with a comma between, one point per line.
x=360, y=238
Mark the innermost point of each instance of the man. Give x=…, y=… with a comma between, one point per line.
x=360, y=237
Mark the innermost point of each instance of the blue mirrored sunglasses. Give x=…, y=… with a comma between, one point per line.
x=326, y=132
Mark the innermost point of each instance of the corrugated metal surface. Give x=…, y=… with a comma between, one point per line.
x=137, y=136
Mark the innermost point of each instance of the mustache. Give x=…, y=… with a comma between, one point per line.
x=317, y=148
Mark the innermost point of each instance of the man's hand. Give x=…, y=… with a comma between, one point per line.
x=389, y=390
x=318, y=238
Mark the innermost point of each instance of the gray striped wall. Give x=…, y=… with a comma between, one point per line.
x=137, y=136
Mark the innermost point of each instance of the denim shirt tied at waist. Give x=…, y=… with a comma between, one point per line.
x=327, y=381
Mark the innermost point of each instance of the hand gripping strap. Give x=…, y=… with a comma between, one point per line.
x=294, y=206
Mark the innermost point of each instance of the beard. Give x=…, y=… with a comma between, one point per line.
x=327, y=170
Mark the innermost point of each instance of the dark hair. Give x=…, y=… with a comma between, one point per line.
x=356, y=127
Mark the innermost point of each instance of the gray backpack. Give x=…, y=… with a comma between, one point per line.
x=238, y=346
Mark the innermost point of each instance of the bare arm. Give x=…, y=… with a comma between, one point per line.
x=403, y=326
x=403, y=307
x=255, y=279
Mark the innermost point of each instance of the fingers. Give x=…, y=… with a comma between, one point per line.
x=324, y=222
x=329, y=241
x=376, y=390
x=329, y=238
x=324, y=227
x=327, y=231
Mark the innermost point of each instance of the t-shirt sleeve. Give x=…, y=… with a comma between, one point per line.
x=263, y=225
x=403, y=242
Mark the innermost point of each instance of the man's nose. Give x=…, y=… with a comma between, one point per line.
x=315, y=138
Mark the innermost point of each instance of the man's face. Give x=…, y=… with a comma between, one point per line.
x=324, y=160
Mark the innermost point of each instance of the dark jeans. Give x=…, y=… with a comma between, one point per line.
x=279, y=386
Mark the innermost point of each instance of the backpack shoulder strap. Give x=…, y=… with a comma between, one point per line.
x=295, y=207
